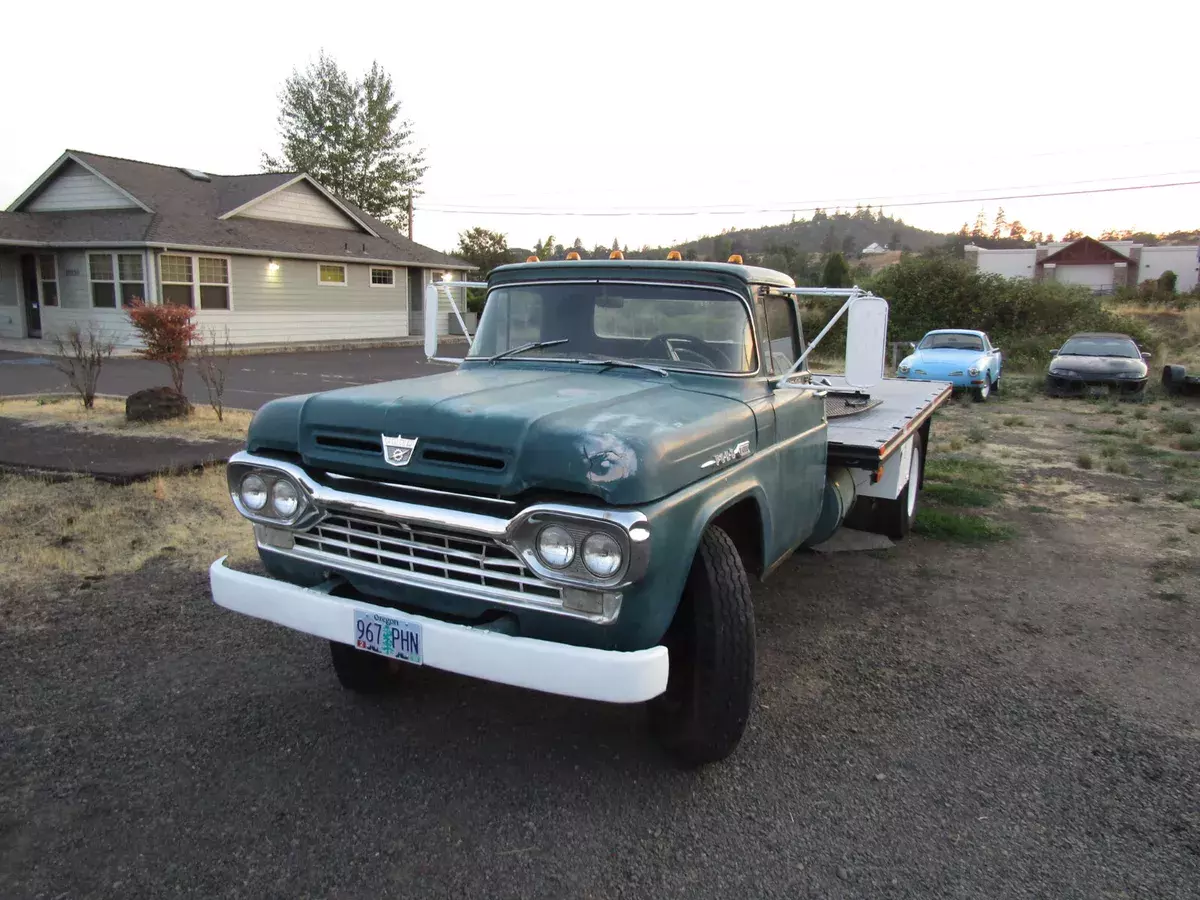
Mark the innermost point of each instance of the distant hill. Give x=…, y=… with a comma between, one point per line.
x=847, y=233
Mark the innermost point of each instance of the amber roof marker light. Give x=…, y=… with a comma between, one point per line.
x=616, y=254
x=532, y=258
x=675, y=255
x=735, y=258
x=573, y=255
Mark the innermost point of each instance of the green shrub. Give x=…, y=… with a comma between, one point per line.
x=1026, y=319
x=1084, y=461
x=1189, y=442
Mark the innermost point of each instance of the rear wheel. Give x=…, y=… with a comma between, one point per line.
x=895, y=518
x=360, y=671
x=703, y=713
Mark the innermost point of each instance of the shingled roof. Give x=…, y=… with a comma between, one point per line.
x=177, y=210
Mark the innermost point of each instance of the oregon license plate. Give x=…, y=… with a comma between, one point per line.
x=393, y=638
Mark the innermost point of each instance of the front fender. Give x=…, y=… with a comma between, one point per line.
x=677, y=523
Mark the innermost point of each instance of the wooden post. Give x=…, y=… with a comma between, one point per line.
x=410, y=217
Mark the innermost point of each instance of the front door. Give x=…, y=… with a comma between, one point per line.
x=29, y=285
x=416, y=301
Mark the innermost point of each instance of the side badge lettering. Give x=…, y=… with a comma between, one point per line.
x=725, y=457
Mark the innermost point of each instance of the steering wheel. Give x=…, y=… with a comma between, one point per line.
x=659, y=347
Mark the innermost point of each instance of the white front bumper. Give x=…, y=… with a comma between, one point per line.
x=609, y=675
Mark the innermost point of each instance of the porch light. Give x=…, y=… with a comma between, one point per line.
x=447, y=276
x=273, y=266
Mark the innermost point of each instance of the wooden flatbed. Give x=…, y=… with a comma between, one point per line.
x=867, y=438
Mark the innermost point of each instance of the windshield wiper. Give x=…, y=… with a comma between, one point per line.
x=622, y=364
x=532, y=345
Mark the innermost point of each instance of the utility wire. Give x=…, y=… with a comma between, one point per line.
x=706, y=211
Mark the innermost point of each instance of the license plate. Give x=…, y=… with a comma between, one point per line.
x=393, y=638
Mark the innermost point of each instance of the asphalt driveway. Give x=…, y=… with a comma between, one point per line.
x=252, y=381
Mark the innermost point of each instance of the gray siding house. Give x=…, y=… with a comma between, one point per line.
x=275, y=258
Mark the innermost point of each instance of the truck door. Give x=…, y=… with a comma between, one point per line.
x=799, y=430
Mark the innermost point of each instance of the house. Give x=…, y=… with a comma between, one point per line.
x=873, y=248
x=275, y=258
x=1102, y=266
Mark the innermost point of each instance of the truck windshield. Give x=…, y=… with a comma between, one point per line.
x=671, y=326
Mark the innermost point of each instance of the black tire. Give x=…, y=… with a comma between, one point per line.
x=701, y=717
x=980, y=394
x=1173, y=378
x=895, y=518
x=360, y=671
x=996, y=385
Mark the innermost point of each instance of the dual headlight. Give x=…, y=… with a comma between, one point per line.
x=599, y=551
x=267, y=495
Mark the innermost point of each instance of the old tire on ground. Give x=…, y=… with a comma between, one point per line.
x=360, y=671
x=702, y=715
x=895, y=518
x=1173, y=378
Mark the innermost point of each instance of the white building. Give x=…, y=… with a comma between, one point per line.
x=1102, y=266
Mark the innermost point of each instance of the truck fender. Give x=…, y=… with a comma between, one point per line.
x=750, y=527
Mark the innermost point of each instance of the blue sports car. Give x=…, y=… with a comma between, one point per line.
x=966, y=359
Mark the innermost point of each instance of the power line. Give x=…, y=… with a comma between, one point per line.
x=825, y=202
x=789, y=208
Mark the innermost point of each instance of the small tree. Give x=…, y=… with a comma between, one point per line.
x=836, y=273
x=80, y=355
x=1167, y=282
x=212, y=365
x=168, y=333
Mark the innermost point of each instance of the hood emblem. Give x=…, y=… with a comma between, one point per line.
x=725, y=457
x=398, y=451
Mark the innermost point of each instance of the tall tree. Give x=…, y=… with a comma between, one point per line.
x=1000, y=225
x=484, y=249
x=836, y=273
x=1016, y=230
x=1072, y=235
x=544, y=249
x=349, y=136
x=980, y=225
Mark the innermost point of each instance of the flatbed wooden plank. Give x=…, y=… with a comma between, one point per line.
x=903, y=401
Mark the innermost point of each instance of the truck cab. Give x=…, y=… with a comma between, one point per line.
x=579, y=505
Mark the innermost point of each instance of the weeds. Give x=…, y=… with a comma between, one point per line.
x=1084, y=461
x=1189, y=442
x=960, y=495
x=1178, y=425
x=943, y=525
x=1118, y=467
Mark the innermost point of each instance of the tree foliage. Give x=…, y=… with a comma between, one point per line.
x=836, y=273
x=167, y=334
x=349, y=136
x=484, y=249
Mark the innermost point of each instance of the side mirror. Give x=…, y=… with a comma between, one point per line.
x=431, y=317
x=1146, y=357
x=1054, y=352
x=866, y=341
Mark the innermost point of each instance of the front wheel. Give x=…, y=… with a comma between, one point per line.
x=981, y=393
x=702, y=715
x=360, y=671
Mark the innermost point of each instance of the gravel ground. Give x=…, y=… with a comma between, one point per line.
x=1020, y=720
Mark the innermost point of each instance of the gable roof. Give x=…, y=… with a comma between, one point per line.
x=178, y=210
x=1083, y=251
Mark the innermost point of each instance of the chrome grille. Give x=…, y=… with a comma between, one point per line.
x=427, y=556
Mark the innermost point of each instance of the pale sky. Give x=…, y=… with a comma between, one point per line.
x=653, y=107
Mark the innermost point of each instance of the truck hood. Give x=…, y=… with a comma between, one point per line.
x=620, y=436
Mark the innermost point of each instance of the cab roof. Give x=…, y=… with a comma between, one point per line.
x=668, y=270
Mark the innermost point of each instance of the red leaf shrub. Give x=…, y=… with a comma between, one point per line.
x=168, y=332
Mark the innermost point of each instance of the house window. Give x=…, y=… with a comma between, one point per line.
x=214, y=282
x=383, y=277
x=104, y=281
x=48, y=274
x=331, y=273
x=132, y=277
x=176, y=277
x=184, y=278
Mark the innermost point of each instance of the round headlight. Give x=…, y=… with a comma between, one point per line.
x=556, y=547
x=253, y=492
x=973, y=370
x=285, y=499
x=601, y=555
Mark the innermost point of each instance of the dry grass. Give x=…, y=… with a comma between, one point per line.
x=1176, y=332
x=83, y=528
x=109, y=415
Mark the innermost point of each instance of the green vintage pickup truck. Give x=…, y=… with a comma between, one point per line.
x=579, y=505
